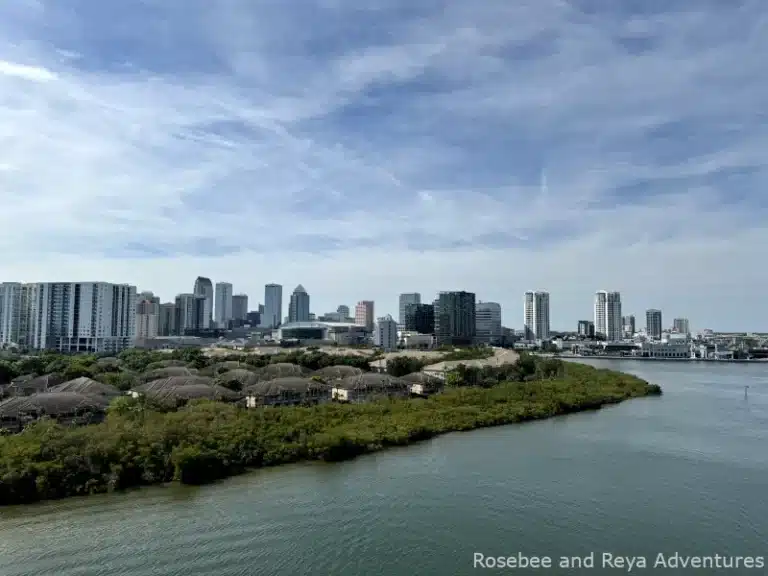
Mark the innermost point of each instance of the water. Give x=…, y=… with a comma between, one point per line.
x=683, y=473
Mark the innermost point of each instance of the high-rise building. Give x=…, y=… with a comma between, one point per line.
x=95, y=317
x=608, y=315
x=488, y=323
x=404, y=301
x=273, y=306
x=385, y=333
x=166, y=324
x=536, y=315
x=586, y=328
x=420, y=318
x=204, y=288
x=239, y=307
x=186, y=309
x=681, y=326
x=455, y=319
x=343, y=311
x=223, y=307
x=10, y=313
x=147, y=315
x=298, y=306
x=628, y=325
x=364, y=314
x=653, y=323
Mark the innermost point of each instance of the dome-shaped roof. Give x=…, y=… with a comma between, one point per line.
x=288, y=384
x=52, y=404
x=372, y=381
x=188, y=392
x=338, y=372
x=281, y=370
x=87, y=386
x=173, y=382
x=168, y=372
x=37, y=383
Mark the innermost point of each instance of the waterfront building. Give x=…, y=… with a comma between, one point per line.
x=536, y=315
x=681, y=325
x=608, y=315
x=586, y=328
x=653, y=324
x=628, y=325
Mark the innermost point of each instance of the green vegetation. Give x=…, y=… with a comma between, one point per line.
x=206, y=441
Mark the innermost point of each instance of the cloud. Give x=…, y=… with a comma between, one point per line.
x=392, y=147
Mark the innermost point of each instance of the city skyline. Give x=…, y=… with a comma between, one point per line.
x=489, y=147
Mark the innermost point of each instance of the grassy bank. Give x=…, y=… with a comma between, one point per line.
x=207, y=441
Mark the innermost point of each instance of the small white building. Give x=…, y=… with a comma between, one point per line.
x=385, y=333
x=409, y=339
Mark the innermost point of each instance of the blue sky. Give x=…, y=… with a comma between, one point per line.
x=364, y=149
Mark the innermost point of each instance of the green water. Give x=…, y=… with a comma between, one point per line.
x=684, y=473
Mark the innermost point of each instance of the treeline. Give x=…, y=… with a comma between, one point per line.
x=207, y=440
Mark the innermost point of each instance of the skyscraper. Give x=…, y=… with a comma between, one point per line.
x=223, y=308
x=273, y=305
x=455, y=319
x=628, y=324
x=536, y=315
x=10, y=313
x=186, y=317
x=239, y=307
x=298, y=306
x=420, y=318
x=147, y=315
x=608, y=315
x=653, y=323
x=166, y=325
x=364, y=314
x=204, y=288
x=405, y=299
x=681, y=326
x=488, y=323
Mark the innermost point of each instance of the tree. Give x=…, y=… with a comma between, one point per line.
x=401, y=365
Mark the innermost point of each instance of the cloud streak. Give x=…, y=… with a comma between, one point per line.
x=308, y=145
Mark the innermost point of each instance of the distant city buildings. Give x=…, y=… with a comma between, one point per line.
x=608, y=315
x=420, y=318
x=223, y=304
x=385, y=333
x=536, y=315
x=681, y=326
x=628, y=326
x=653, y=324
x=273, y=306
x=455, y=319
x=403, y=302
x=298, y=306
x=147, y=315
x=488, y=323
x=204, y=288
x=586, y=329
x=364, y=314
x=239, y=307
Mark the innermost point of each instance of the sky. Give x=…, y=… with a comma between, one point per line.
x=368, y=148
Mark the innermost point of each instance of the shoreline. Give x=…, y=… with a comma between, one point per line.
x=651, y=359
x=210, y=441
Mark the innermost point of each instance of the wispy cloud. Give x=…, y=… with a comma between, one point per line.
x=367, y=149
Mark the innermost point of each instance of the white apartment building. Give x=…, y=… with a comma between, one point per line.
x=97, y=317
x=536, y=315
x=488, y=323
x=385, y=333
x=364, y=314
x=608, y=319
x=10, y=313
x=223, y=304
x=204, y=288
